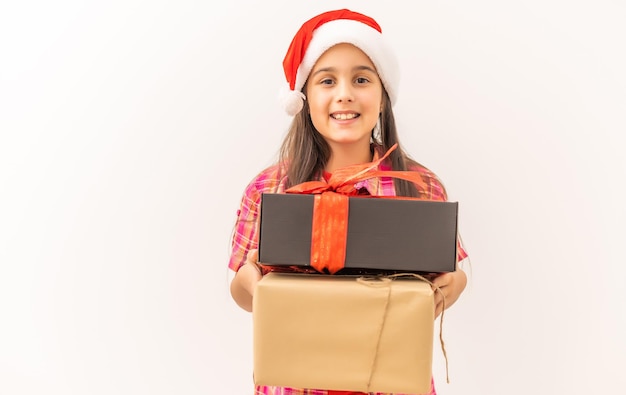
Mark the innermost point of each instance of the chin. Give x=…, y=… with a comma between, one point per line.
x=349, y=141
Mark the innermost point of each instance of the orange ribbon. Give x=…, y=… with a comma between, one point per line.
x=330, y=209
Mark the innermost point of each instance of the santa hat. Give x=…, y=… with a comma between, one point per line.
x=319, y=34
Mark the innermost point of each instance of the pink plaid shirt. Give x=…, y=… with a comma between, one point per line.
x=245, y=237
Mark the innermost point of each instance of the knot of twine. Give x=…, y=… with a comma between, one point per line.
x=385, y=281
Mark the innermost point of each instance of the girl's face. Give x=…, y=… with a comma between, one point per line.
x=344, y=95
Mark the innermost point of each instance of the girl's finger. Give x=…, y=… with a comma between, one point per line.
x=442, y=280
x=438, y=298
x=438, y=309
x=253, y=256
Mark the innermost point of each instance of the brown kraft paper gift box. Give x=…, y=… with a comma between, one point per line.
x=383, y=234
x=368, y=334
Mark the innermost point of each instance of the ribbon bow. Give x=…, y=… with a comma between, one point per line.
x=330, y=209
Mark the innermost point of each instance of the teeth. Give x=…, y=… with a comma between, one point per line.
x=344, y=116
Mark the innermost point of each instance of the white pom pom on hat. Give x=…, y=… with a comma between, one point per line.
x=322, y=32
x=292, y=101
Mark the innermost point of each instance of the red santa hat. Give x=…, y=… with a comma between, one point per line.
x=319, y=34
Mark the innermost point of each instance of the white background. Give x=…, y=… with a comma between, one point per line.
x=129, y=129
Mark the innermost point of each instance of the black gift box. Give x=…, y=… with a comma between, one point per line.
x=383, y=234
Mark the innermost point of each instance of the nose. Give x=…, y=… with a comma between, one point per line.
x=344, y=92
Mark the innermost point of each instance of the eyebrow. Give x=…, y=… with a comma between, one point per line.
x=356, y=68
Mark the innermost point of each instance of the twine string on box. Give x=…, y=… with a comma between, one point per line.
x=377, y=282
x=385, y=281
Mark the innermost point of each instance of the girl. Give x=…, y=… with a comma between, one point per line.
x=343, y=82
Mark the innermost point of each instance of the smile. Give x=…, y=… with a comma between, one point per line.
x=344, y=117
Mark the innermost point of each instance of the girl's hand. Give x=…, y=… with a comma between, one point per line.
x=451, y=285
x=252, y=266
x=243, y=285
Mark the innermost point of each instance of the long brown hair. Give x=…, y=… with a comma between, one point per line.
x=304, y=152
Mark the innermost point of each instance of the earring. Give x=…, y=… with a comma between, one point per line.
x=377, y=133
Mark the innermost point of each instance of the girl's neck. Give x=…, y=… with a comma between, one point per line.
x=343, y=156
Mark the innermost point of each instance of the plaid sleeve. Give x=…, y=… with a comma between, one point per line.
x=460, y=250
x=245, y=232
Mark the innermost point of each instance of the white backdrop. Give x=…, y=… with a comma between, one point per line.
x=130, y=128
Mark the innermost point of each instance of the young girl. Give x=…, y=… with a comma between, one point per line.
x=343, y=82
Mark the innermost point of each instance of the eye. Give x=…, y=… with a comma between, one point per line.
x=362, y=80
x=326, y=81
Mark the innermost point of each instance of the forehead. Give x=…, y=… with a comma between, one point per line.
x=343, y=55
